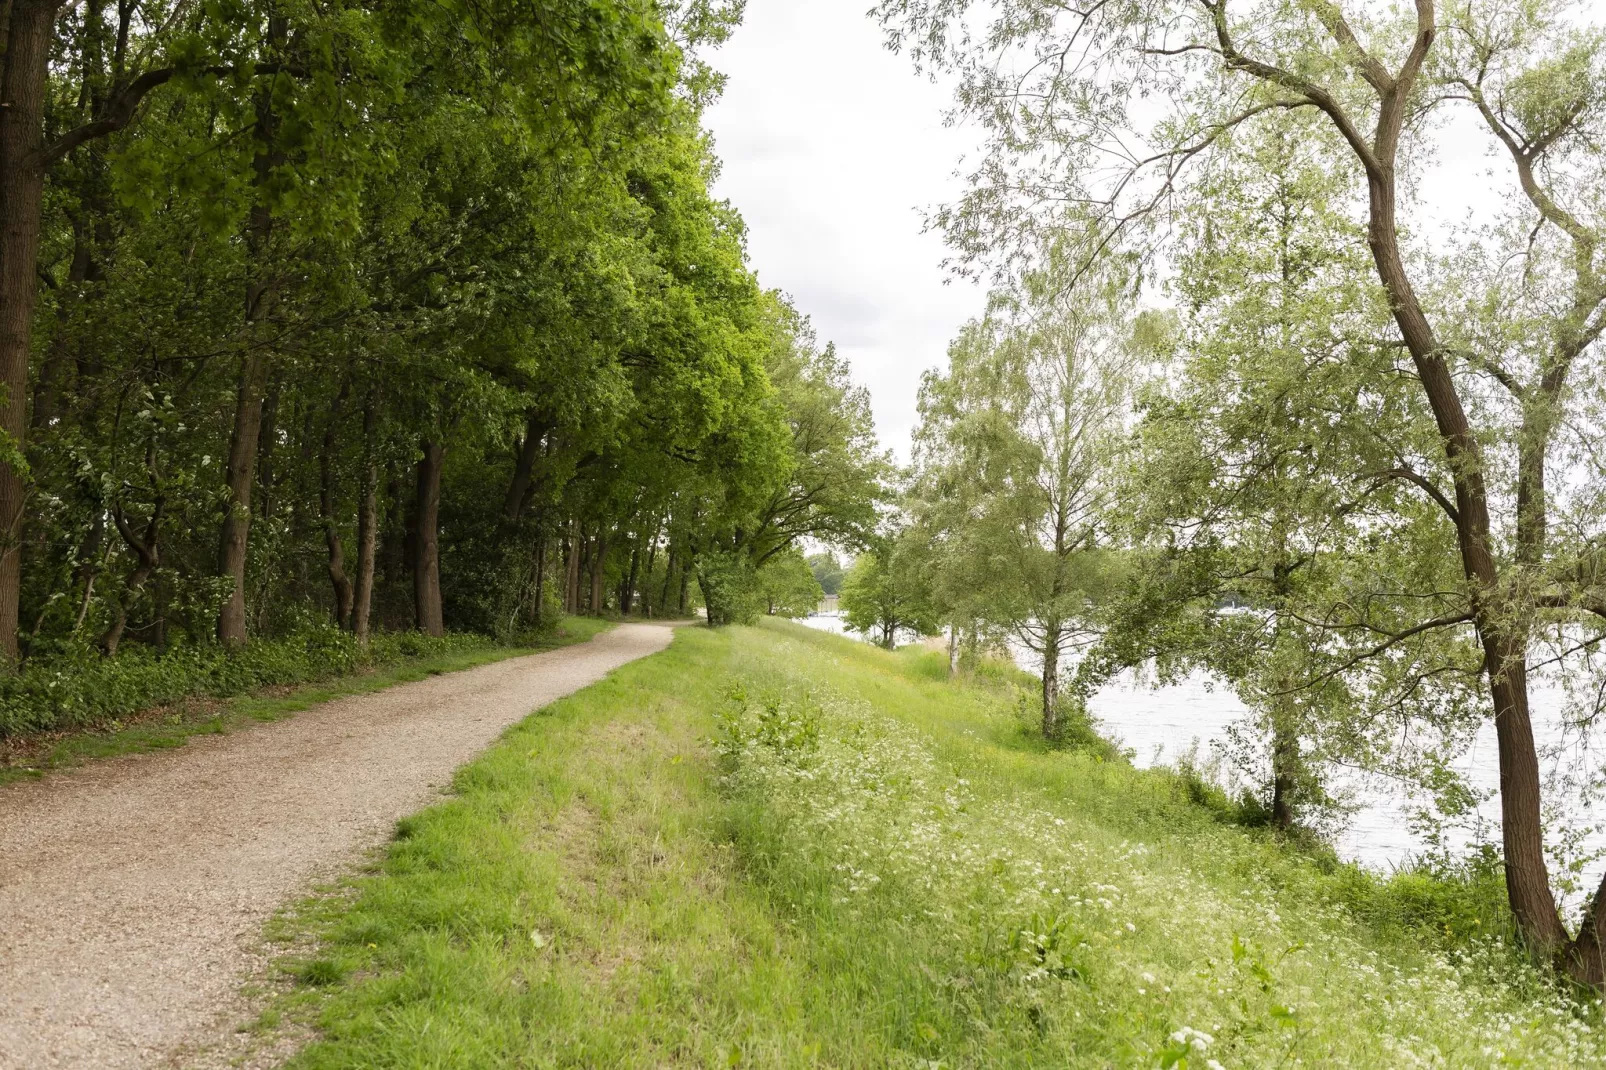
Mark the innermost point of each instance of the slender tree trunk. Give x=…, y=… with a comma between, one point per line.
x=1528, y=889
x=953, y=651
x=426, y=542
x=326, y=511
x=367, y=524
x=571, y=585
x=652, y=560
x=1284, y=769
x=540, y=577
x=599, y=576
x=243, y=442
x=669, y=580
x=147, y=551
x=685, y=589
x=518, y=489
x=627, y=596
x=1051, y=681
x=241, y=477
x=22, y=102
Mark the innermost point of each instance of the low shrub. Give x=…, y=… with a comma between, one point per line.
x=79, y=689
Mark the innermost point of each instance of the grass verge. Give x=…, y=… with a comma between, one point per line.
x=169, y=726
x=772, y=847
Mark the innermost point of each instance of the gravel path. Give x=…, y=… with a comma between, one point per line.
x=133, y=891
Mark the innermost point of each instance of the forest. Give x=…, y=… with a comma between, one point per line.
x=333, y=321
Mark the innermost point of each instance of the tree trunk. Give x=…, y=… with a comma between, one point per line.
x=540, y=577
x=599, y=576
x=426, y=543
x=1284, y=769
x=147, y=550
x=953, y=651
x=652, y=560
x=22, y=102
x=1527, y=877
x=669, y=581
x=685, y=589
x=1051, y=682
x=571, y=579
x=241, y=477
x=367, y=527
x=627, y=595
x=518, y=489
x=326, y=512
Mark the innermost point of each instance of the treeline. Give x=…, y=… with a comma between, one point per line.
x=1247, y=400
x=389, y=316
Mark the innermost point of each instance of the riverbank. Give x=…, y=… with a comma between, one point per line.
x=771, y=847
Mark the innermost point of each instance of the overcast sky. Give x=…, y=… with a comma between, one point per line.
x=831, y=146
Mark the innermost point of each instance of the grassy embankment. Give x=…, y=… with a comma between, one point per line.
x=772, y=847
x=152, y=706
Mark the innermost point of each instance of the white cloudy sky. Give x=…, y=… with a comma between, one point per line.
x=831, y=147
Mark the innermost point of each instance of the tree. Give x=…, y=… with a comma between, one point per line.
x=828, y=572
x=788, y=587
x=1020, y=435
x=1498, y=399
x=885, y=593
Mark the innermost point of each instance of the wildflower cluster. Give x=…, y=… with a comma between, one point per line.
x=1026, y=907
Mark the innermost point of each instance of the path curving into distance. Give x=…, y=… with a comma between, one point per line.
x=133, y=891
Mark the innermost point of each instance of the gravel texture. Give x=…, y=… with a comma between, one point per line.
x=133, y=891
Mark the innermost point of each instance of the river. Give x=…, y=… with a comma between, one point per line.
x=1162, y=724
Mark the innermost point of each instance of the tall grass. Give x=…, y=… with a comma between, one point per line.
x=770, y=847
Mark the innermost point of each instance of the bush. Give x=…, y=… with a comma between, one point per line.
x=82, y=689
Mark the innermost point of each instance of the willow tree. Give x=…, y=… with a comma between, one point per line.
x=1123, y=97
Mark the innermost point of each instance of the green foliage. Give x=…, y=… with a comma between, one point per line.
x=87, y=689
x=787, y=586
x=828, y=572
x=887, y=592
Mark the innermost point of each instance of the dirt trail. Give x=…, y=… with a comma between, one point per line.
x=133, y=891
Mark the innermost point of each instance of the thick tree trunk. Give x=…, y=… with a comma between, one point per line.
x=426, y=542
x=241, y=477
x=367, y=528
x=22, y=101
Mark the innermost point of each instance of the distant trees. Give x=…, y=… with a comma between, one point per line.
x=828, y=572
x=788, y=587
x=887, y=591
